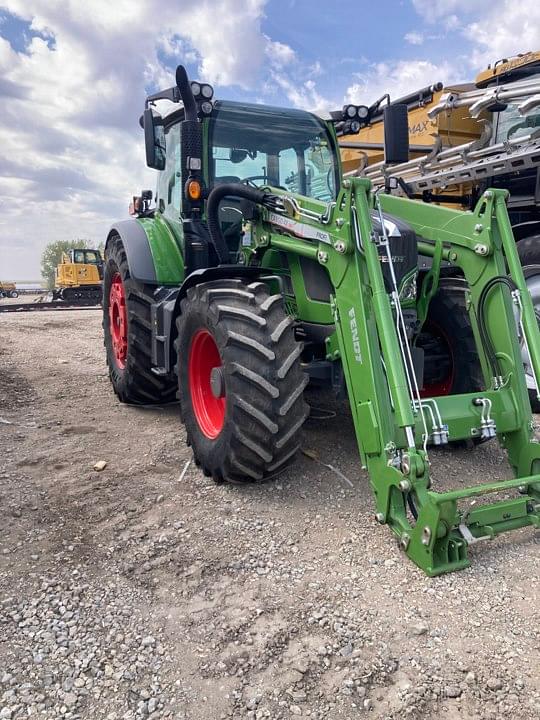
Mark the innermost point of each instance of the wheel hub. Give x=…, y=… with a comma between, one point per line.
x=118, y=320
x=207, y=384
x=217, y=382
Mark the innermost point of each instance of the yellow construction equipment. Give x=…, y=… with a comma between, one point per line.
x=461, y=138
x=79, y=277
x=8, y=289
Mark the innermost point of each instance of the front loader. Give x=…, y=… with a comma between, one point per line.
x=261, y=269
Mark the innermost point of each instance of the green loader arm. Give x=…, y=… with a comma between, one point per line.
x=392, y=423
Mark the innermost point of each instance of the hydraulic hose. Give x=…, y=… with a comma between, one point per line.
x=482, y=327
x=212, y=208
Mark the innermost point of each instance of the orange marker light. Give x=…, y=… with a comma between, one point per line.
x=194, y=190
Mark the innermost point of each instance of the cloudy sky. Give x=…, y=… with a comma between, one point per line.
x=73, y=77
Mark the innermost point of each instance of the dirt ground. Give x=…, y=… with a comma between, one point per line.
x=145, y=590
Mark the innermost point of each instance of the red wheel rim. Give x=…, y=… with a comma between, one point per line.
x=118, y=320
x=444, y=386
x=209, y=410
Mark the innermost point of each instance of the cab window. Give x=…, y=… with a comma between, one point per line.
x=169, y=192
x=290, y=149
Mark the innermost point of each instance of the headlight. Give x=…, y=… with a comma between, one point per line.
x=207, y=91
x=363, y=112
x=407, y=291
x=195, y=89
x=206, y=108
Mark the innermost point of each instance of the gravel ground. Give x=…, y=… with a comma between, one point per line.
x=144, y=591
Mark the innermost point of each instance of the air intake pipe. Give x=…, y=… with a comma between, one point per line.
x=184, y=86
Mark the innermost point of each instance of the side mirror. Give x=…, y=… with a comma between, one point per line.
x=396, y=134
x=154, y=141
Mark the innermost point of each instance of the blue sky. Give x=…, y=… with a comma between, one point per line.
x=73, y=78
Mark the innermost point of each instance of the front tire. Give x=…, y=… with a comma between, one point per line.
x=529, y=255
x=128, y=333
x=451, y=364
x=240, y=381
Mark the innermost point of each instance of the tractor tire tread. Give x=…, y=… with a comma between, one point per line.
x=263, y=378
x=135, y=383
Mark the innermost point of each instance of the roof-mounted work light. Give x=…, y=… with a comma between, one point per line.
x=351, y=112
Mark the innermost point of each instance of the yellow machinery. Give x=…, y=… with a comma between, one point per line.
x=79, y=277
x=461, y=138
x=8, y=289
x=465, y=139
x=456, y=128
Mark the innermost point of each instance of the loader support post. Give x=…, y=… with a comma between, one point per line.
x=383, y=312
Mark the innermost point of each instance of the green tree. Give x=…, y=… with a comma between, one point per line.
x=53, y=254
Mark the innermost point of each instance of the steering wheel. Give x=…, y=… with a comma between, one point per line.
x=251, y=178
x=266, y=181
x=331, y=181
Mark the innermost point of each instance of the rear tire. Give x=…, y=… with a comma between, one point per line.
x=129, y=351
x=240, y=382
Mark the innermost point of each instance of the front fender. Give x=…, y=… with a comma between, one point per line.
x=152, y=252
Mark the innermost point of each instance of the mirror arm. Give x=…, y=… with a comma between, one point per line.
x=172, y=94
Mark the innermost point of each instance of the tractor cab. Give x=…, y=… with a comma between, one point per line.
x=287, y=149
x=85, y=257
x=257, y=146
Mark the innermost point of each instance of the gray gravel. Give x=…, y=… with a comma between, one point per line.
x=128, y=593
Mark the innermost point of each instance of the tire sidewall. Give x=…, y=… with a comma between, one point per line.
x=529, y=250
x=529, y=254
x=212, y=449
x=112, y=266
x=454, y=333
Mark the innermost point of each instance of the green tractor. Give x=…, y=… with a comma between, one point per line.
x=261, y=269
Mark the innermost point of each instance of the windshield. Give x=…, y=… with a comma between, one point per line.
x=261, y=145
x=511, y=125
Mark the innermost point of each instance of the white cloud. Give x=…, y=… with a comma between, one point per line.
x=508, y=29
x=397, y=78
x=279, y=54
x=72, y=151
x=303, y=93
x=436, y=10
x=414, y=38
